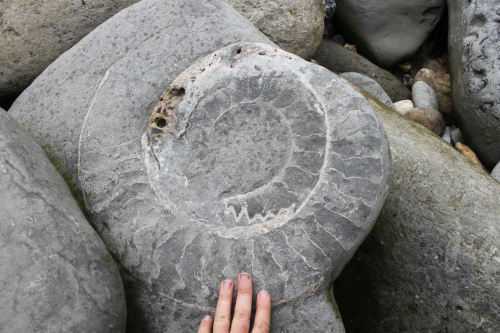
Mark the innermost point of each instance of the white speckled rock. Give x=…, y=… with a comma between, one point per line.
x=370, y=86
x=295, y=26
x=34, y=33
x=388, y=31
x=424, y=96
x=404, y=107
x=250, y=159
x=56, y=274
x=474, y=41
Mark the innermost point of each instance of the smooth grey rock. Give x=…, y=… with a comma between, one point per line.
x=447, y=135
x=35, y=33
x=56, y=274
x=495, y=173
x=251, y=160
x=370, y=86
x=423, y=96
x=440, y=83
x=329, y=8
x=295, y=26
x=389, y=31
x=474, y=43
x=456, y=136
x=339, y=59
x=431, y=263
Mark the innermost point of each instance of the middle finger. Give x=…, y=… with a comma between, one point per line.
x=243, y=307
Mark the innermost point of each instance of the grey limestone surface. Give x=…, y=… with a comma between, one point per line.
x=295, y=26
x=424, y=96
x=474, y=43
x=370, y=86
x=389, y=31
x=34, y=33
x=340, y=60
x=431, y=263
x=249, y=159
x=56, y=275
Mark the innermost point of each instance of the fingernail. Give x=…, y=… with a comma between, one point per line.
x=207, y=318
x=264, y=295
x=227, y=284
x=244, y=277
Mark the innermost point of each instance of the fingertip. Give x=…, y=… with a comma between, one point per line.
x=264, y=296
x=205, y=325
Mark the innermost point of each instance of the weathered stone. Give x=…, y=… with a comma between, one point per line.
x=389, y=31
x=423, y=96
x=329, y=8
x=56, y=274
x=340, y=60
x=469, y=153
x=440, y=83
x=429, y=118
x=475, y=67
x=295, y=26
x=35, y=33
x=431, y=263
x=251, y=160
x=496, y=172
x=369, y=85
x=404, y=107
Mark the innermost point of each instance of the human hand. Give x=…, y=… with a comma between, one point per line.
x=242, y=309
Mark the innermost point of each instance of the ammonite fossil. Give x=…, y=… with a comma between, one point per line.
x=250, y=159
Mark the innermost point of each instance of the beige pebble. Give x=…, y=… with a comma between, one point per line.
x=469, y=153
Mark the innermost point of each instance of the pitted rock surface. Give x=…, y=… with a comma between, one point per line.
x=56, y=274
x=267, y=164
x=251, y=159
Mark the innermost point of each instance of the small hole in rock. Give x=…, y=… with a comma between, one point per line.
x=178, y=91
x=160, y=122
x=238, y=51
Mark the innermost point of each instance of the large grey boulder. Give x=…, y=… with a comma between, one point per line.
x=474, y=44
x=370, y=86
x=340, y=60
x=431, y=263
x=248, y=159
x=56, y=274
x=389, y=31
x=35, y=33
x=295, y=26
